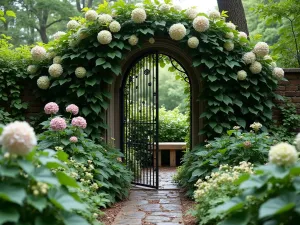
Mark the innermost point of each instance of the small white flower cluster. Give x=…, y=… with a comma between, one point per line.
x=81, y=34
x=283, y=154
x=57, y=60
x=114, y=26
x=55, y=70
x=58, y=35
x=32, y=69
x=138, y=15
x=249, y=58
x=139, y=5
x=214, y=14
x=256, y=126
x=236, y=127
x=40, y=188
x=133, y=40
x=104, y=37
x=72, y=24
x=218, y=180
x=43, y=82
x=193, y=42
x=229, y=35
x=255, y=67
x=164, y=7
x=80, y=72
x=151, y=40
x=104, y=19
x=242, y=35
x=177, y=31
x=261, y=49
x=278, y=73
x=229, y=46
x=38, y=53
x=201, y=23
x=58, y=148
x=231, y=25
x=191, y=13
x=177, y=8
x=91, y=15
x=241, y=75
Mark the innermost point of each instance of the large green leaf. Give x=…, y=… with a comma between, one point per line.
x=38, y=202
x=241, y=218
x=9, y=214
x=44, y=175
x=100, y=61
x=12, y=193
x=8, y=171
x=66, y=180
x=73, y=219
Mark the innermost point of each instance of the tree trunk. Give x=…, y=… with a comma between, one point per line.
x=236, y=13
x=43, y=34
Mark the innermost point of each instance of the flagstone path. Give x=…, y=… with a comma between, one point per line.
x=153, y=207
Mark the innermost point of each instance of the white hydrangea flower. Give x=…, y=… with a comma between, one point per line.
x=72, y=24
x=283, y=154
x=261, y=49
x=104, y=37
x=43, y=82
x=241, y=75
x=242, y=35
x=231, y=25
x=278, y=73
x=18, y=138
x=191, y=13
x=193, y=42
x=139, y=5
x=38, y=53
x=268, y=57
x=80, y=72
x=229, y=35
x=297, y=141
x=58, y=35
x=177, y=31
x=138, y=15
x=114, y=26
x=214, y=14
x=55, y=70
x=57, y=60
x=91, y=15
x=82, y=34
x=164, y=7
x=50, y=55
x=104, y=19
x=273, y=65
x=229, y=46
x=73, y=43
x=133, y=40
x=201, y=23
x=255, y=67
x=249, y=58
x=151, y=40
x=32, y=69
x=177, y=8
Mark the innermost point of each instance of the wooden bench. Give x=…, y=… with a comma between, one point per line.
x=173, y=147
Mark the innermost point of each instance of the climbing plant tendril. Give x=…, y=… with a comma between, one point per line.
x=237, y=89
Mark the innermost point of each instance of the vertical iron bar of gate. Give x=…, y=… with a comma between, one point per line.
x=157, y=119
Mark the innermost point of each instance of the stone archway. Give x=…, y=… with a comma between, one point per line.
x=170, y=48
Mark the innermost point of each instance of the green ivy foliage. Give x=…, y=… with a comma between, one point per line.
x=228, y=101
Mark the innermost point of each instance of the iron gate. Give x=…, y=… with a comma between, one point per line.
x=139, y=120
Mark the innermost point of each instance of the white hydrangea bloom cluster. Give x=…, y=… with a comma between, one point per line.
x=273, y=65
x=72, y=24
x=40, y=188
x=229, y=35
x=38, y=53
x=133, y=40
x=58, y=35
x=114, y=26
x=164, y=7
x=297, y=141
x=18, y=138
x=268, y=58
x=231, y=25
x=80, y=72
x=242, y=35
x=104, y=19
x=191, y=13
x=43, y=82
x=225, y=177
x=151, y=40
x=177, y=8
x=193, y=42
x=261, y=49
x=283, y=154
x=249, y=58
x=50, y=55
x=177, y=31
x=139, y=5
x=91, y=15
x=278, y=73
x=104, y=37
x=256, y=126
x=32, y=69
x=55, y=70
x=73, y=43
x=201, y=23
x=255, y=67
x=241, y=75
x=229, y=46
x=57, y=60
x=214, y=14
x=138, y=15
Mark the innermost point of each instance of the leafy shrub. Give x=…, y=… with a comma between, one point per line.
x=217, y=189
x=173, y=125
x=31, y=194
x=270, y=196
x=234, y=147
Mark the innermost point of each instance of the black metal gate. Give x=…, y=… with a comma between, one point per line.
x=139, y=120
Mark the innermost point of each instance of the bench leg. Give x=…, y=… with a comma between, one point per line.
x=159, y=158
x=172, y=158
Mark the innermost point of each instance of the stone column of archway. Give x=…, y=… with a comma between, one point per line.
x=170, y=48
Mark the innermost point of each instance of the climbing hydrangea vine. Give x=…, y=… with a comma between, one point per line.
x=238, y=77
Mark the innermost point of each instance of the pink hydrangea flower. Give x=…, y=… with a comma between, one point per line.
x=51, y=108
x=72, y=109
x=58, y=124
x=73, y=139
x=79, y=122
